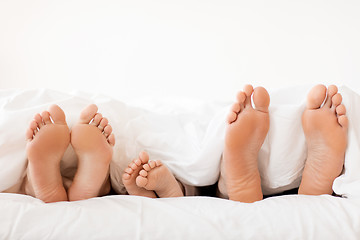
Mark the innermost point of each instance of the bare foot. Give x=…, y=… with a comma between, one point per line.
x=92, y=140
x=131, y=173
x=325, y=128
x=157, y=177
x=245, y=134
x=48, y=137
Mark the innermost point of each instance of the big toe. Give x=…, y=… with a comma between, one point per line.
x=261, y=99
x=57, y=114
x=316, y=97
x=88, y=113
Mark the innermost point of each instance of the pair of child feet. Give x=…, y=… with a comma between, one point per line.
x=325, y=127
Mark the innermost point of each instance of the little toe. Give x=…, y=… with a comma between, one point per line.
x=30, y=132
x=96, y=120
x=343, y=121
x=158, y=163
x=46, y=117
x=103, y=123
x=316, y=97
x=340, y=110
x=57, y=114
x=144, y=157
x=126, y=176
x=261, y=99
x=88, y=113
x=332, y=90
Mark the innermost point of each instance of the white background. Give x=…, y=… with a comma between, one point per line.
x=201, y=49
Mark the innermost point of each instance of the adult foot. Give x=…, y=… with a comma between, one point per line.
x=132, y=172
x=93, y=142
x=157, y=177
x=325, y=127
x=245, y=134
x=48, y=137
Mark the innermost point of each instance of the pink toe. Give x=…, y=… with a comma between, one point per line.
x=241, y=96
x=129, y=170
x=235, y=108
x=29, y=134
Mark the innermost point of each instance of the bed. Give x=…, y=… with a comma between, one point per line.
x=187, y=135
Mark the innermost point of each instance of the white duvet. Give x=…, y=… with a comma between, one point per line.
x=188, y=136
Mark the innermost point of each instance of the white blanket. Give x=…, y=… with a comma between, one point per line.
x=186, y=135
x=132, y=217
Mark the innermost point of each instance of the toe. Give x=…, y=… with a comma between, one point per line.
x=30, y=132
x=152, y=164
x=332, y=90
x=341, y=110
x=143, y=173
x=129, y=170
x=103, y=123
x=126, y=176
x=158, y=163
x=343, y=121
x=261, y=99
x=107, y=130
x=231, y=117
x=147, y=167
x=88, y=113
x=241, y=97
x=111, y=139
x=57, y=114
x=144, y=157
x=235, y=108
x=96, y=120
x=46, y=117
x=336, y=100
x=248, y=89
x=316, y=97
x=141, y=181
x=38, y=119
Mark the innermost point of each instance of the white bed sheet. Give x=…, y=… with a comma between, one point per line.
x=186, y=134
x=131, y=217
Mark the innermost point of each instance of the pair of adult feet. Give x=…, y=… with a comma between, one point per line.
x=48, y=138
x=325, y=127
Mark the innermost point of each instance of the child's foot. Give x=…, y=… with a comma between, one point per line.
x=131, y=173
x=325, y=128
x=92, y=140
x=157, y=177
x=48, y=137
x=245, y=134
